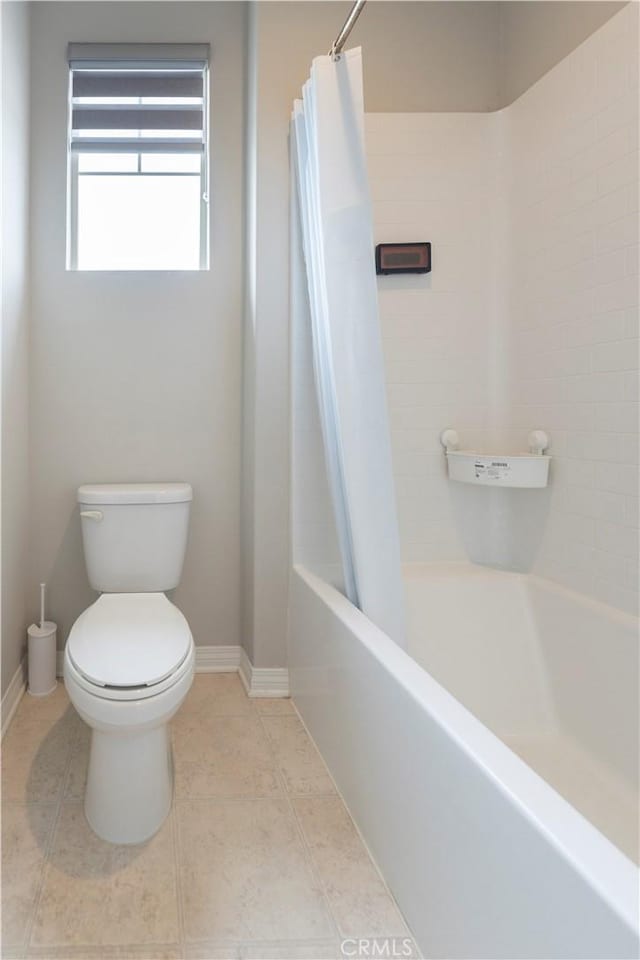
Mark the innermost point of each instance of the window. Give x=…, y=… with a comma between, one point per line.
x=137, y=184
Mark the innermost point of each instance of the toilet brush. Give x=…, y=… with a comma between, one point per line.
x=42, y=653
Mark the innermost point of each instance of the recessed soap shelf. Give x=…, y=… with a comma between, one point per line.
x=528, y=470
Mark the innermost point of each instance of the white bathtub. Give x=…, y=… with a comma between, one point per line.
x=493, y=772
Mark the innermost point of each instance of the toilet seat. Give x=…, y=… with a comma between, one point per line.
x=129, y=646
x=128, y=694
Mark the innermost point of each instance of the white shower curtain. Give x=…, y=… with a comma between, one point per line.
x=337, y=234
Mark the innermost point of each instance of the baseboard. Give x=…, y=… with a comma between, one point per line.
x=258, y=681
x=13, y=695
x=217, y=659
x=263, y=681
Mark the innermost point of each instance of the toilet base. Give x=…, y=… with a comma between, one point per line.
x=129, y=784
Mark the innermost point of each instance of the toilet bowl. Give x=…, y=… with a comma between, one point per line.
x=129, y=659
x=128, y=666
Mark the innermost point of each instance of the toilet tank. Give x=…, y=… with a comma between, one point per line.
x=134, y=535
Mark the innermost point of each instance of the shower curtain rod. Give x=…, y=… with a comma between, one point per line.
x=347, y=27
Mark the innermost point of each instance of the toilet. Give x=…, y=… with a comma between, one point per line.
x=129, y=660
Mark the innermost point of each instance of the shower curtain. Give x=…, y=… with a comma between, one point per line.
x=337, y=236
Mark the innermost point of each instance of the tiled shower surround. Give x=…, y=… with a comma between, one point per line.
x=528, y=320
x=573, y=304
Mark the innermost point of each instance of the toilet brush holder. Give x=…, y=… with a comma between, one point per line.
x=42, y=658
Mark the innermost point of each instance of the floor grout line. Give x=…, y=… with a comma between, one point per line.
x=358, y=832
x=244, y=797
x=305, y=846
x=177, y=861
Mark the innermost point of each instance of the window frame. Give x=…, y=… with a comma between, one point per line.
x=73, y=175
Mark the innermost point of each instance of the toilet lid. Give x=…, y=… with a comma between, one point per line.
x=129, y=640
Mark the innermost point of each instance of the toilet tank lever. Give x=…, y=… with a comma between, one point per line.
x=91, y=514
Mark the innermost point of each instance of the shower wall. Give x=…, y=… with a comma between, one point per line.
x=437, y=177
x=529, y=318
x=573, y=304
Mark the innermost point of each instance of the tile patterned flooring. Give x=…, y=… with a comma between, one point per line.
x=258, y=859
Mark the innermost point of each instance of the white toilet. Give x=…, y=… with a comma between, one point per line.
x=129, y=659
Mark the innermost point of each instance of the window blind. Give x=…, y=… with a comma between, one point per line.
x=137, y=98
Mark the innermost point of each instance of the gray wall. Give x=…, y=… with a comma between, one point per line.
x=457, y=56
x=429, y=56
x=136, y=376
x=15, y=333
x=437, y=56
x=537, y=35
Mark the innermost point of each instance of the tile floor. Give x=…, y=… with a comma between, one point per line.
x=258, y=859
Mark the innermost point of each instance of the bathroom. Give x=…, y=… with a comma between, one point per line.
x=449, y=771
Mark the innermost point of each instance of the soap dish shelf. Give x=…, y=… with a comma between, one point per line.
x=524, y=470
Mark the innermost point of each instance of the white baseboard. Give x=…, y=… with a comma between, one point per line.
x=13, y=695
x=263, y=681
x=258, y=681
x=218, y=659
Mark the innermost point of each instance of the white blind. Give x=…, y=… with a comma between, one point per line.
x=134, y=98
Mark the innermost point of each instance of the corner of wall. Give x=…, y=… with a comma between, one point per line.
x=16, y=308
x=248, y=340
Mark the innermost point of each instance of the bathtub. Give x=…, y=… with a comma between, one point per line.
x=491, y=767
